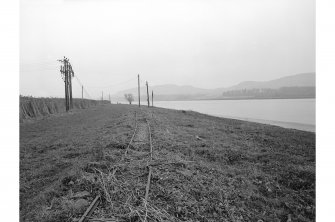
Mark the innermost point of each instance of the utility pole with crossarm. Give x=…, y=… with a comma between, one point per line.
x=67, y=74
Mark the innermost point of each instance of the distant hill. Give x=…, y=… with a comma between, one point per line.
x=187, y=92
x=299, y=80
x=170, y=89
x=166, y=92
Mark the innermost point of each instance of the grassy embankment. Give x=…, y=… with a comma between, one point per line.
x=234, y=171
x=31, y=107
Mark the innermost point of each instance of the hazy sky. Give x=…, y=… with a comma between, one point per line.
x=204, y=43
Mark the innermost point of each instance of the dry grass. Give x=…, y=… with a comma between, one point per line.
x=56, y=150
x=123, y=198
x=204, y=168
x=265, y=172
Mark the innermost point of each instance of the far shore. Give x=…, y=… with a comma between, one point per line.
x=241, y=98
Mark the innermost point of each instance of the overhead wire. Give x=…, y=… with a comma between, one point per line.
x=117, y=84
x=36, y=63
x=84, y=88
x=51, y=66
x=37, y=67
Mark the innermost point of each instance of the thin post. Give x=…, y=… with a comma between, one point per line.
x=70, y=85
x=82, y=92
x=152, y=98
x=138, y=86
x=148, y=94
x=63, y=72
x=66, y=86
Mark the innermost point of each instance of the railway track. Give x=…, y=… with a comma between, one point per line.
x=135, y=169
x=140, y=147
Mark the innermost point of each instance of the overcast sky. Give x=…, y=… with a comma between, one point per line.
x=204, y=43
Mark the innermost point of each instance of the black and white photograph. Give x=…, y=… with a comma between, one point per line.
x=166, y=110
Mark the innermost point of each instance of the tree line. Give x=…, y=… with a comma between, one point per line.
x=284, y=92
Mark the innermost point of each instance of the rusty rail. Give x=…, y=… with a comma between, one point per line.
x=94, y=204
x=90, y=209
x=132, y=138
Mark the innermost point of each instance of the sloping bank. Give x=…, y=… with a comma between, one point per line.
x=205, y=168
x=31, y=107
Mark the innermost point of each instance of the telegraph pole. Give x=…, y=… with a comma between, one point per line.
x=67, y=74
x=63, y=73
x=66, y=85
x=152, y=98
x=148, y=94
x=70, y=85
x=138, y=86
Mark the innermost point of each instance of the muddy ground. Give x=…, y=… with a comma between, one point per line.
x=204, y=168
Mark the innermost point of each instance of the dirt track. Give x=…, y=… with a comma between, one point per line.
x=207, y=168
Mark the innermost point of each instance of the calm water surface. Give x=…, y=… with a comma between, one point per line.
x=289, y=113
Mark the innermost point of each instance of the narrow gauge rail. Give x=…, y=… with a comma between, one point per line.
x=142, y=132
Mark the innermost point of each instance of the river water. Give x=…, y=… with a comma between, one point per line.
x=288, y=113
